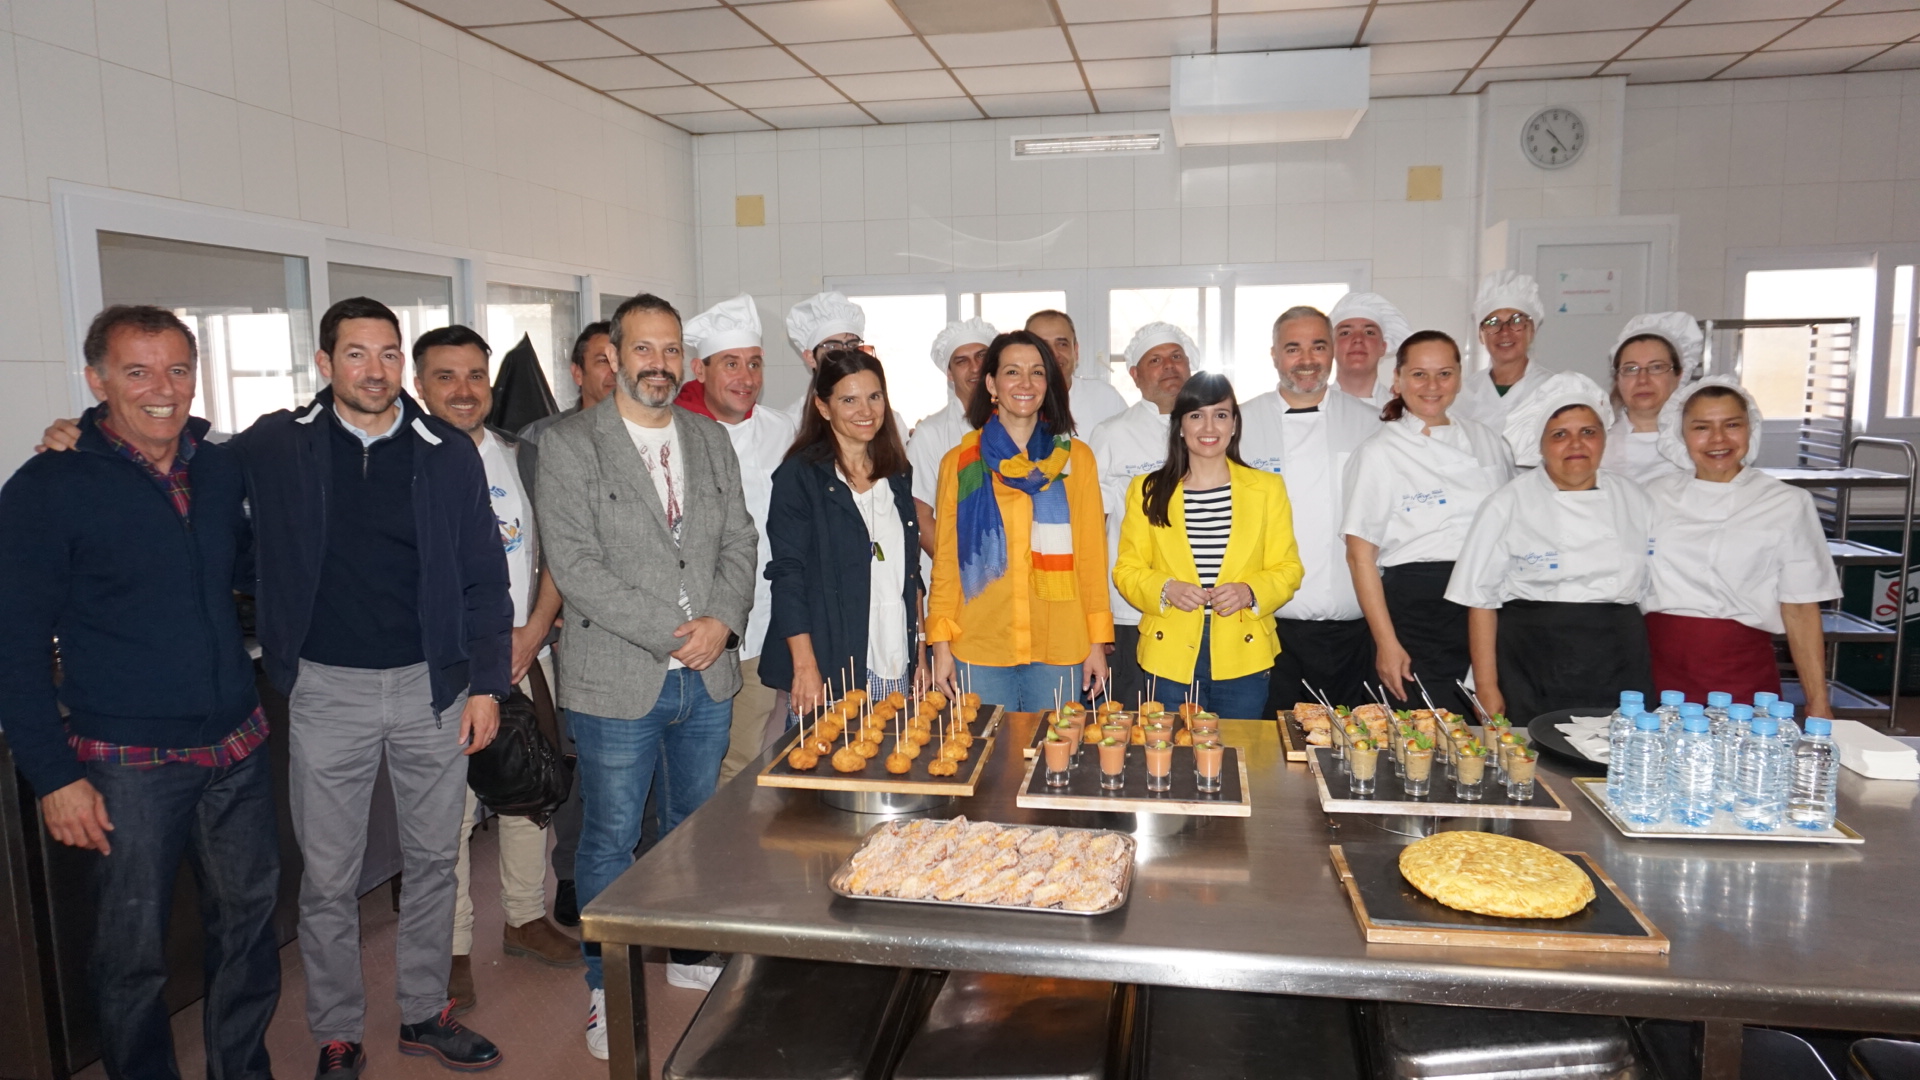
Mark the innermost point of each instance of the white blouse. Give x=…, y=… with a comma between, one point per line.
x=1413, y=495
x=1532, y=541
x=1635, y=454
x=1736, y=550
x=887, y=581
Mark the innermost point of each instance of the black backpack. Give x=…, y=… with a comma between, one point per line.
x=522, y=772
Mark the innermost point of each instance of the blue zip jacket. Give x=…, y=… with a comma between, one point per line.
x=92, y=552
x=466, y=615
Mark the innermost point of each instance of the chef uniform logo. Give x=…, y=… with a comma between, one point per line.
x=1537, y=559
x=1423, y=500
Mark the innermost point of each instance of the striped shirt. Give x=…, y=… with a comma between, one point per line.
x=1209, y=523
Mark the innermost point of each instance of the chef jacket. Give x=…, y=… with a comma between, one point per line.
x=1093, y=400
x=1736, y=550
x=1635, y=454
x=1480, y=401
x=1531, y=541
x=1413, y=495
x=1125, y=446
x=1311, y=450
x=931, y=439
x=1382, y=391
x=761, y=442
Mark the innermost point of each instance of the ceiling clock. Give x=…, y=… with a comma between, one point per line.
x=1554, y=137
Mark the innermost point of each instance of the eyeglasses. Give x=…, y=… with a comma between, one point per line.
x=1516, y=320
x=853, y=342
x=1655, y=369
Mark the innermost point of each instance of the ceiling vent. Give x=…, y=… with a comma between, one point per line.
x=1269, y=97
x=1109, y=143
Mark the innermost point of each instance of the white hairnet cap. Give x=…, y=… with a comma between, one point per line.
x=1673, y=442
x=818, y=318
x=1394, y=327
x=974, y=331
x=1155, y=334
x=1528, y=420
x=730, y=324
x=1508, y=289
x=1679, y=329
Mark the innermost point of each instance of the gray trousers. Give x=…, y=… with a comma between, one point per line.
x=343, y=721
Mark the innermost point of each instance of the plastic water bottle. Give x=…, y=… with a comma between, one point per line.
x=1782, y=713
x=1670, y=702
x=1816, y=775
x=1718, y=702
x=1690, y=769
x=1763, y=701
x=1759, y=771
x=1643, y=777
x=1727, y=733
x=1619, y=728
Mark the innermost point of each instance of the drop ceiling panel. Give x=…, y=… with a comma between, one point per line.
x=1428, y=56
x=775, y=93
x=1005, y=47
x=674, y=99
x=737, y=65
x=1720, y=11
x=1861, y=7
x=1020, y=78
x=1232, y=7
x=684, y=31
x=1085, y=11
x=1415, y=83
x=1834, y=31
x=1596, y=47
x=570, y=40
x=927, y=110
x=898, y=85
x=711, y=123
x=841, y=115
x=1133, y=99
x=488, y=12
x=1326, y=28
x=1035, y=104
x=827, y=20
x=1487, y=75
x=1713, y=38
x=1574, y=16
x=859, y=57
x=619, y=72
x=594, y=8
x=1441, y=20
x=1894, y=59
x=1670, y=69
x=1117, y=74
x=1800, y=62
x=1153, y=37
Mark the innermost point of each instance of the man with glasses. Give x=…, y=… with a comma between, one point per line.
x=1508, y=312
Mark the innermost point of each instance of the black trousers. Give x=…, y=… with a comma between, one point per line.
x=1127, y=683
x=1564, y=656
x=1433, y=630
x=1335, y=655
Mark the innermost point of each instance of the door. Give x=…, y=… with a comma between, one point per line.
x=1594, y=275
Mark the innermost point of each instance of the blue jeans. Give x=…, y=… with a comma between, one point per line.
x=617, y=757
x=1021, y=688
x=222, y=821
x=1244, y=698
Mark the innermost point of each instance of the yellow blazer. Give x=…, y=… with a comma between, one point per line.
x=1260, y=552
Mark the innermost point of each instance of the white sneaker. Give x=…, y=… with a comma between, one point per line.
x=700, y=976
x=597, y=1024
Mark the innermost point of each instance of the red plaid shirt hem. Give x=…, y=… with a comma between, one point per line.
x=231, y=750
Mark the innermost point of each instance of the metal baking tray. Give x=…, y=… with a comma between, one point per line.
x=837, y=883
x=1724, y=826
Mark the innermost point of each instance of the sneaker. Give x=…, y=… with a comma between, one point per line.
x=444, y=1037
x=340, y=1061
x=700, y=976
x=566, y=904
x=460, y=985
x=597, y=1024
x=541, y=940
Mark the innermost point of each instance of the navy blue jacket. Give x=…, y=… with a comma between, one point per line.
x=466, y=615
x=91, y=551
x=821, y=568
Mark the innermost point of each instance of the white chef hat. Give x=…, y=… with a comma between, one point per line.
x=1155, y=334
x=730, y=324
x=974, y=331
x=1528, y=420
x=1679, y=329
x=1508, y=289
x=1394, y=327
x=819, y=317
x=1673, y=443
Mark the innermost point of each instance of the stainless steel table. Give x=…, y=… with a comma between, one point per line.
x=1812, y=935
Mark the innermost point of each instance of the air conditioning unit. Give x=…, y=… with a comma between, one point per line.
x=1268, y=97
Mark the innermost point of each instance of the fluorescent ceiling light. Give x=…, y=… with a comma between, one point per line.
x=1112, y=142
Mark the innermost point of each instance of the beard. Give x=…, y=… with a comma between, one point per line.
x=1296, y=381
x=636, y=388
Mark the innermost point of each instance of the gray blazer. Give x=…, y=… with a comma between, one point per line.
x=607, y=545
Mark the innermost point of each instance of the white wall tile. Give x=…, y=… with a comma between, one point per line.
x=842, y=186
x=410, y=194
x=1815, y=128
x=888, y=242
x=884, y=179
x=1808, y=213
x=64, y=23
x=1866, y=152
x=357, y=61
x=312, y=70
x=1203, y=234
x=402, y=93
x=973, y=178
x=843, y=247
x=800, y=254
x=929, y=178
x=13, y=153
x=369, y=190
x=133, y=33
x=63, y=117
x=208, y=126
x=269, y=169
x=19, y=290
x=322, y=173
x=1156, y=237
x=760, y=265
x=1250, y=232
x=261, y=70
x=1865, y=212
x=200, y=38
x=142, y=154
x=1110, y=238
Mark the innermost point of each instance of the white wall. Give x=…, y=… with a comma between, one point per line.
x=363, y=115
x=925, y=198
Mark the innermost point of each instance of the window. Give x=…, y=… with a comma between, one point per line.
x=1903, y=389
x=1774, y=362
x=1009, y=310
x=549, y=318
x=422, y=301
x=901, y=329
x=1255, y=307
x=609, y=303
x=248, y=309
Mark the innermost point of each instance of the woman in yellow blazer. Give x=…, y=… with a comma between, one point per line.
x=1018, y=610
x=1207, y=555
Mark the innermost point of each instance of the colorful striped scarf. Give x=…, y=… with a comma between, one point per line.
x=1040, y=471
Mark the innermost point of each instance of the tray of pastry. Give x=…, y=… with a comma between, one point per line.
x=1391, y=909
x=1305, y=725
x=923, y=746
x=983, y=865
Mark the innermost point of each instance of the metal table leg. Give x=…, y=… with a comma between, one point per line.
x=1720, y=1049
x=627, y=1050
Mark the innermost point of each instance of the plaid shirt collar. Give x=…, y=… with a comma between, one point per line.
x=174, y=482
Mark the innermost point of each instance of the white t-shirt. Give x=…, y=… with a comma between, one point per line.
x=1311, y=450
x=1125, y=446
x=512, y=513
x=886, y=582
x=1532, y=541
x=1480, y=400
x=668, y=482
x=1635, y=454
x=1093, y=400
x=1737, y=550
x=760, y=442
x=1413, y=495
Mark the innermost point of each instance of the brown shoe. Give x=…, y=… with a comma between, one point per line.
x=541, y=940
x=460, y=985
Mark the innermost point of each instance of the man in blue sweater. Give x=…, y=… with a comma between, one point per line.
x=129, y=551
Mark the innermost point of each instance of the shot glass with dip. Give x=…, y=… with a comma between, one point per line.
x=1160, y=765
x=1469, y=772
x=1059, y=751
x=1208, y=758
x=1204, y=723
x=1416, y=758
x=1363, y=759
x=1113, y=764
x=1520, y=765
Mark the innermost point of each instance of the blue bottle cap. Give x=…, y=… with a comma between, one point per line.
x=1817, y=726
x=1765, y=725
x=1672, y=697
x=1763, y=699
x=1742, y=713
x=1647, y=721
x=1719, y=699
x=1692, y=708
x=1697, y=722
x=1781, y=710
x=1632, y=697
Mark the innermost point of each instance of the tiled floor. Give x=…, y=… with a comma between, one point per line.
x=535, y=1013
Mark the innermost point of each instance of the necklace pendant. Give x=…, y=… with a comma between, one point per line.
x=879, y=554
